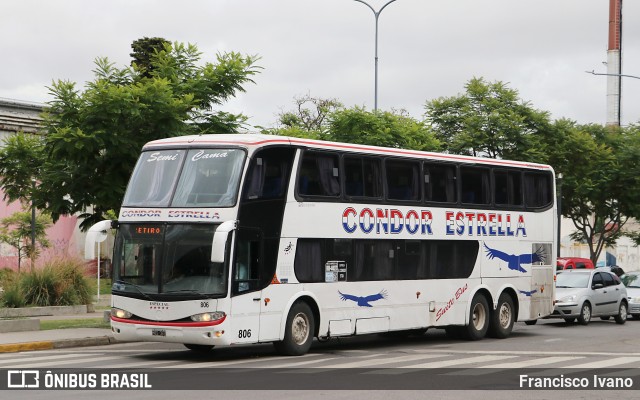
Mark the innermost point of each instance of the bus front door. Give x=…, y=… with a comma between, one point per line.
x=245, y=287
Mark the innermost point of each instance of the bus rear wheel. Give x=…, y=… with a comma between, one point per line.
x=502, y=318
x=478, y=318
x=298, y=333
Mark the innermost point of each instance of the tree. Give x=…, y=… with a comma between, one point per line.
x=93, y=137
x=488, y=120
x=15, y=230
x=309, y=119
x=600, y=187
x=382, y=128
x=20, y=163
x=143, y=52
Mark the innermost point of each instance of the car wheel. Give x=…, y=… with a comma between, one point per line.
x=478, y=318
x=621, y=318
x=502, y=319
x=585, y=314
x=299, y=330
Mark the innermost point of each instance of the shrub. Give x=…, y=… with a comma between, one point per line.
x=13, y=297
x=39, y=287
x=59, y=282
x=73, y=287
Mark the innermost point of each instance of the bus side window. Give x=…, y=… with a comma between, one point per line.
x=475, y=185
x=440, y=183
x=538, y=189
x=319, y=175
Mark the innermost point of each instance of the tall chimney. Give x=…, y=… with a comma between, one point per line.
x=614, y=63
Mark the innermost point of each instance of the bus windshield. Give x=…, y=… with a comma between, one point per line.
x=186, y=178
x=167, y=259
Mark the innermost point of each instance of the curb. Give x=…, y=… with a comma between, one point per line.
x=56, y=344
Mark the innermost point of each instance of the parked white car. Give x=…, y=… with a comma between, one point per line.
x=584, y=294
x=632, y=281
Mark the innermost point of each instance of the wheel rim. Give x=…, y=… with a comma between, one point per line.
x=623, y=312
x=505, y=315
x=300, y=328
x=586, y=313
x=479, y=317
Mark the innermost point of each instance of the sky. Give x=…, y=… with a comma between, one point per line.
x=427, y=49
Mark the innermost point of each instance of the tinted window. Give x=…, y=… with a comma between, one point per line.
x=507, y=188
x=440, y=183
x=318, y=175
x=308, y=264
x=362, y=177
x=268, y=174
x=608, y=280
x=538, y=189
x=474, y=185
x=597, y=278
x=402, y=180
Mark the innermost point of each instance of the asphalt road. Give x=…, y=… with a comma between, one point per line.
x=367, y=366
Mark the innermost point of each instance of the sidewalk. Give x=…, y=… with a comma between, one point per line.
x=11, y=342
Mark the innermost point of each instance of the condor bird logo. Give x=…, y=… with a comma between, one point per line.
x=514, y=261
x=364, y=301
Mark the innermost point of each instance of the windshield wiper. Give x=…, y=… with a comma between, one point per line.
x=136, y=287
x=564, y=287
x=186, y=291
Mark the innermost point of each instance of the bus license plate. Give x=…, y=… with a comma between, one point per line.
x=158, y=332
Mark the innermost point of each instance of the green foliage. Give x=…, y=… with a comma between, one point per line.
x=12, y=297
x=16, y=230
x=59, y=283
x=143, y=50
x=16, y=175
x=39, y=287
x=381, y=128
x=93, y=137
x=327, y=119
x=488, y=120
x=600, y=188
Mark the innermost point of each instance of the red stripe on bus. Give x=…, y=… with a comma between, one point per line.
x=451, y=157
x=168, y=323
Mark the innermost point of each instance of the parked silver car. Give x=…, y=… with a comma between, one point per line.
x=632, y=281
x=584, y=294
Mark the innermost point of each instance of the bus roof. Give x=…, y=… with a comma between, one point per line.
x=258, y=140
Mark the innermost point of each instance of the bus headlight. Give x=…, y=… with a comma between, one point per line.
x=209, y=316
x=120, y=313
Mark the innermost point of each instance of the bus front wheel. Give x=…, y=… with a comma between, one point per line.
x=478, y=318
x=298, y=333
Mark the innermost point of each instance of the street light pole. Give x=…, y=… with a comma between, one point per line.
x=376, y=14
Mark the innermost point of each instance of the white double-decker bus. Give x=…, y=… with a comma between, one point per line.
x=233, y=239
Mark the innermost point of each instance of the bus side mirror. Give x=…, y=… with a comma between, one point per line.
x=96, y=234
x=218, y=246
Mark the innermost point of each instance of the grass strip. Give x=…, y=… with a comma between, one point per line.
x=74, y=323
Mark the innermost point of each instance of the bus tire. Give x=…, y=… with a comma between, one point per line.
x=298, y=332
x=503, y=318
x=199, y=348
x=478, y=318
